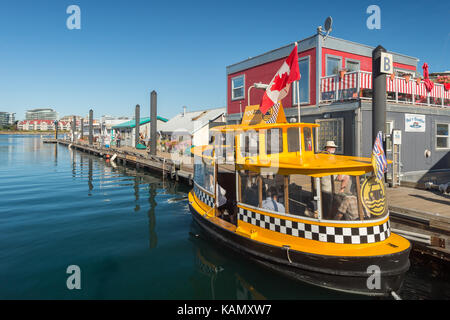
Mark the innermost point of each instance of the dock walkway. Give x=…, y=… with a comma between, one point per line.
x=424, y=215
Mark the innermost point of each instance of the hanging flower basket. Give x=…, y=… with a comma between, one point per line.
x=342, y=73
x=418, y=80
x=392, y=76
x=407, y=78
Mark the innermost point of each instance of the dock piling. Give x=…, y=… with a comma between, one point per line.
x=153, y=99
x=91, y=127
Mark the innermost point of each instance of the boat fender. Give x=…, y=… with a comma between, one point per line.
x=287, y=252
x=395, y=295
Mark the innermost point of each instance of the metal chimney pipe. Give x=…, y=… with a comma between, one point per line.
x=137, y=117
x=153, y=100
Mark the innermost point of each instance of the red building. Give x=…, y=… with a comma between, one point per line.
x=336, y=91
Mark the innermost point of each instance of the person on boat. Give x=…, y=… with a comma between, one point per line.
x=271, y=202
x=348, y=208
x=250, y=194
x=330, y=147
x=327, y=184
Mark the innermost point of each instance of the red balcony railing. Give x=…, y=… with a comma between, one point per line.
x=358, y=85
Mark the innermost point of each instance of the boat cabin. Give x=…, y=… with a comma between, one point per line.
x=270, y=172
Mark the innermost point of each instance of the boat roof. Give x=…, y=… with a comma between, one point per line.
x=241, y=127
x=312, y=164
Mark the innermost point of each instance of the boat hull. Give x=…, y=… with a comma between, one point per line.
x=366, y=275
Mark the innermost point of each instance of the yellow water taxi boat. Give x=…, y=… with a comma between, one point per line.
x=262, y=190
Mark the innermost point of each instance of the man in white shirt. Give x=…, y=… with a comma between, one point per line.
x=271, y=202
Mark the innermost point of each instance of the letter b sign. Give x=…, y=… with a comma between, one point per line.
x=386, y=63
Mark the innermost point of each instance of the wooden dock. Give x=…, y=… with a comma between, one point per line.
x=421, y=216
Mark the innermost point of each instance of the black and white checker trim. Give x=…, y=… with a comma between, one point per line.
x=203, y=196
x=346, y=235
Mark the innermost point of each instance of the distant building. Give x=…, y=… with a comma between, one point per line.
x=70, y=118
x=42, y=125
x=41, y=114
x=7, y=119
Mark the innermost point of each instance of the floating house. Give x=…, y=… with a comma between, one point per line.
x=127, y=129
x=335, y=91
x=193, y=127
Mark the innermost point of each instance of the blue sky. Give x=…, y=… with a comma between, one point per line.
x=125, y=49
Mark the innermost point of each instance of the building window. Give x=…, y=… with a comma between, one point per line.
x=333, y=65
x=402, y=72
x=442, y=136
x=351, y=65
x=330, y=130
x=237, y=88
x=303, y=64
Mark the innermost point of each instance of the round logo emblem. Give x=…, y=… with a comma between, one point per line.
x=373, y=196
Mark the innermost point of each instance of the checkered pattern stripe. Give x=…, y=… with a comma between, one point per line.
x=346, y=235
x=203, y=196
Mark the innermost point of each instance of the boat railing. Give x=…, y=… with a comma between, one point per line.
x=357, y=85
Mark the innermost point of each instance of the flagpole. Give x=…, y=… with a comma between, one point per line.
x=298, y=93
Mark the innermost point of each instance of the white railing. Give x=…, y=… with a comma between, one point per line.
x=358, y=85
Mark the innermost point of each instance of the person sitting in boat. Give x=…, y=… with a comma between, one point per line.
x=348, y=208
x=271, y=202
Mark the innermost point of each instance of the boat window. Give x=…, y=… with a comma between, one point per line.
x=307, y=140
x=341, y=198
x=273, y=193
x=203, y=174
x=293, y=140
x=274, y=141
x=249, y=188
x=250, y=143
x=301, y=196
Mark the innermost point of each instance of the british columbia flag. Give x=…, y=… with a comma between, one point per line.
x=379, y=161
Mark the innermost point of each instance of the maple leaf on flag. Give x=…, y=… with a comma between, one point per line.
x=281, y=82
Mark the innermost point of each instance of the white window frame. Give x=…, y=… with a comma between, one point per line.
x=294, y=85
x=442, y=136
x=326, y=64
x=352, y=61
x=233, y=98
x=341, y=138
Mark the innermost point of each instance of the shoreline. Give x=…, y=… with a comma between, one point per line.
x=31, y=132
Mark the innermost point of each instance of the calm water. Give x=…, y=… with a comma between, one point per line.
x=131, y=234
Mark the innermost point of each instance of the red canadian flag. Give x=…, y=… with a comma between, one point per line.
x=280, y=84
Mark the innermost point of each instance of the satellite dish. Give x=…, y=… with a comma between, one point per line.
x=328, y=24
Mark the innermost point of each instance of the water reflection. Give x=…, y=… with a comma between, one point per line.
x=153, y=239
x=56, y=154
x=90, y=184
